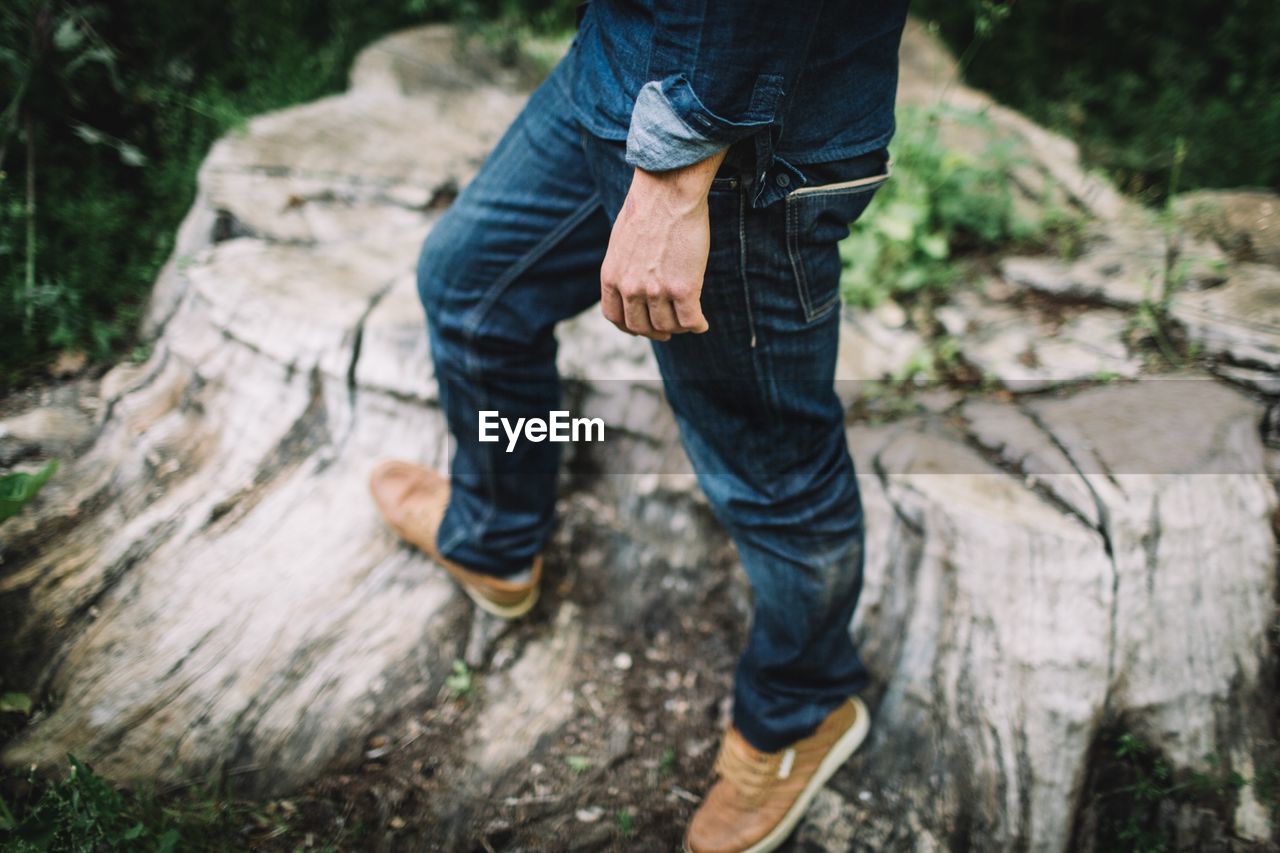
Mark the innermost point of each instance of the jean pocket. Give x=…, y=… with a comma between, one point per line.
x=818, y=218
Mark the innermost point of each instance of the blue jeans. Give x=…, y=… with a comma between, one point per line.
x=520, y=250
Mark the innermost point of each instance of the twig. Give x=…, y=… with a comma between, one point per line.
x=524, y=801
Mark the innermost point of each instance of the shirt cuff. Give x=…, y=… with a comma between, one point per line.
x=659, y=139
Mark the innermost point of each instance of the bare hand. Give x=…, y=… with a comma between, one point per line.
x=651, y=279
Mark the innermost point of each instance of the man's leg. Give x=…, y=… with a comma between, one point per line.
x=760, y=420
x=519, y=250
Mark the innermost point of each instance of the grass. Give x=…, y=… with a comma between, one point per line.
x=626, y=823
x=1137, y=793
x=667, y=763
x=1139, y=86
x=19, y=488
x=104, y=168
x=460, y=682
x=83, y=812
x=940, y=207
x=108, y=110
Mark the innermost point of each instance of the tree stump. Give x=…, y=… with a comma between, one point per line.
x=205, y=587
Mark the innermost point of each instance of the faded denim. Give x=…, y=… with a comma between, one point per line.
x=520, y=250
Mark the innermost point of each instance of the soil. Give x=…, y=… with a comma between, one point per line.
x=626, y=771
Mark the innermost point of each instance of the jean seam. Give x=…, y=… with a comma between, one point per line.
x=759, y=355
x=500, y=285
x=535, y=254
x=797, y=267
x=742, y=272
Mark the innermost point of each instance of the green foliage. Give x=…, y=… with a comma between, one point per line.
x=460, y=682
x=108, y=111
x=19, y=488
x=938, y=204
x=1152, y=325
x=83, y=812
x=1135, y=81
x=578, y=763
x=109, y=108
x=19, y=703
x=667, y=763
x=538, y=16
x=626, y=823
x=1134, y=786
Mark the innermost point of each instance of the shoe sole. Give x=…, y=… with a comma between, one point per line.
x=835, y=757
x=503, y=611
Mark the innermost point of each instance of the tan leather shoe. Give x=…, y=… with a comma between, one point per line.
x=761, y=796
x=412, y=499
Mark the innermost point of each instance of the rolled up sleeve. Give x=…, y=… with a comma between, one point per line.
x=659, y=138
x=720, y=71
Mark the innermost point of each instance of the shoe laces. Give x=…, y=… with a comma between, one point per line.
x=751, y=772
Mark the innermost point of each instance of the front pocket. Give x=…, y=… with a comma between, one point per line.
x=818, y=218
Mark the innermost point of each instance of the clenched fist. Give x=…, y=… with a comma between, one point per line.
x=651, y=279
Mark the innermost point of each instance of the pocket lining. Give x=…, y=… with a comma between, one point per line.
x=845, y=185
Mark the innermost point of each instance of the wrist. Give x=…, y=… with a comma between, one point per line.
x=685, y=187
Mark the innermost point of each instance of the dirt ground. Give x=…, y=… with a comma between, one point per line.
x=650, y=698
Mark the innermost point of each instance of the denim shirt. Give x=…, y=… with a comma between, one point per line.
x=784, y=85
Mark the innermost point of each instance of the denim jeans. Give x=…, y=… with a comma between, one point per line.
x=520, y=250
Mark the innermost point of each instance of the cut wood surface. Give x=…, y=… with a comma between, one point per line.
x=205, y=587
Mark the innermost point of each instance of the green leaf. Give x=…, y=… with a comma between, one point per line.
x=578, y=763
x=91, y=135
x=459, y=683
x=7, y=820
x=103, y=56
x=168, y=842
x=130, y=155
x=11, y=58
x=19, y=488
x=895, y=227
x=134, y=832
x=68, y=36
x=19, y=702
x=934, y=246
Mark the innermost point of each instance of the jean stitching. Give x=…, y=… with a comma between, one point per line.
x=500, y=285
x=759, y=355
x=529, y=258
x=813, y=313
x=797, y=267
x=742, y=271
